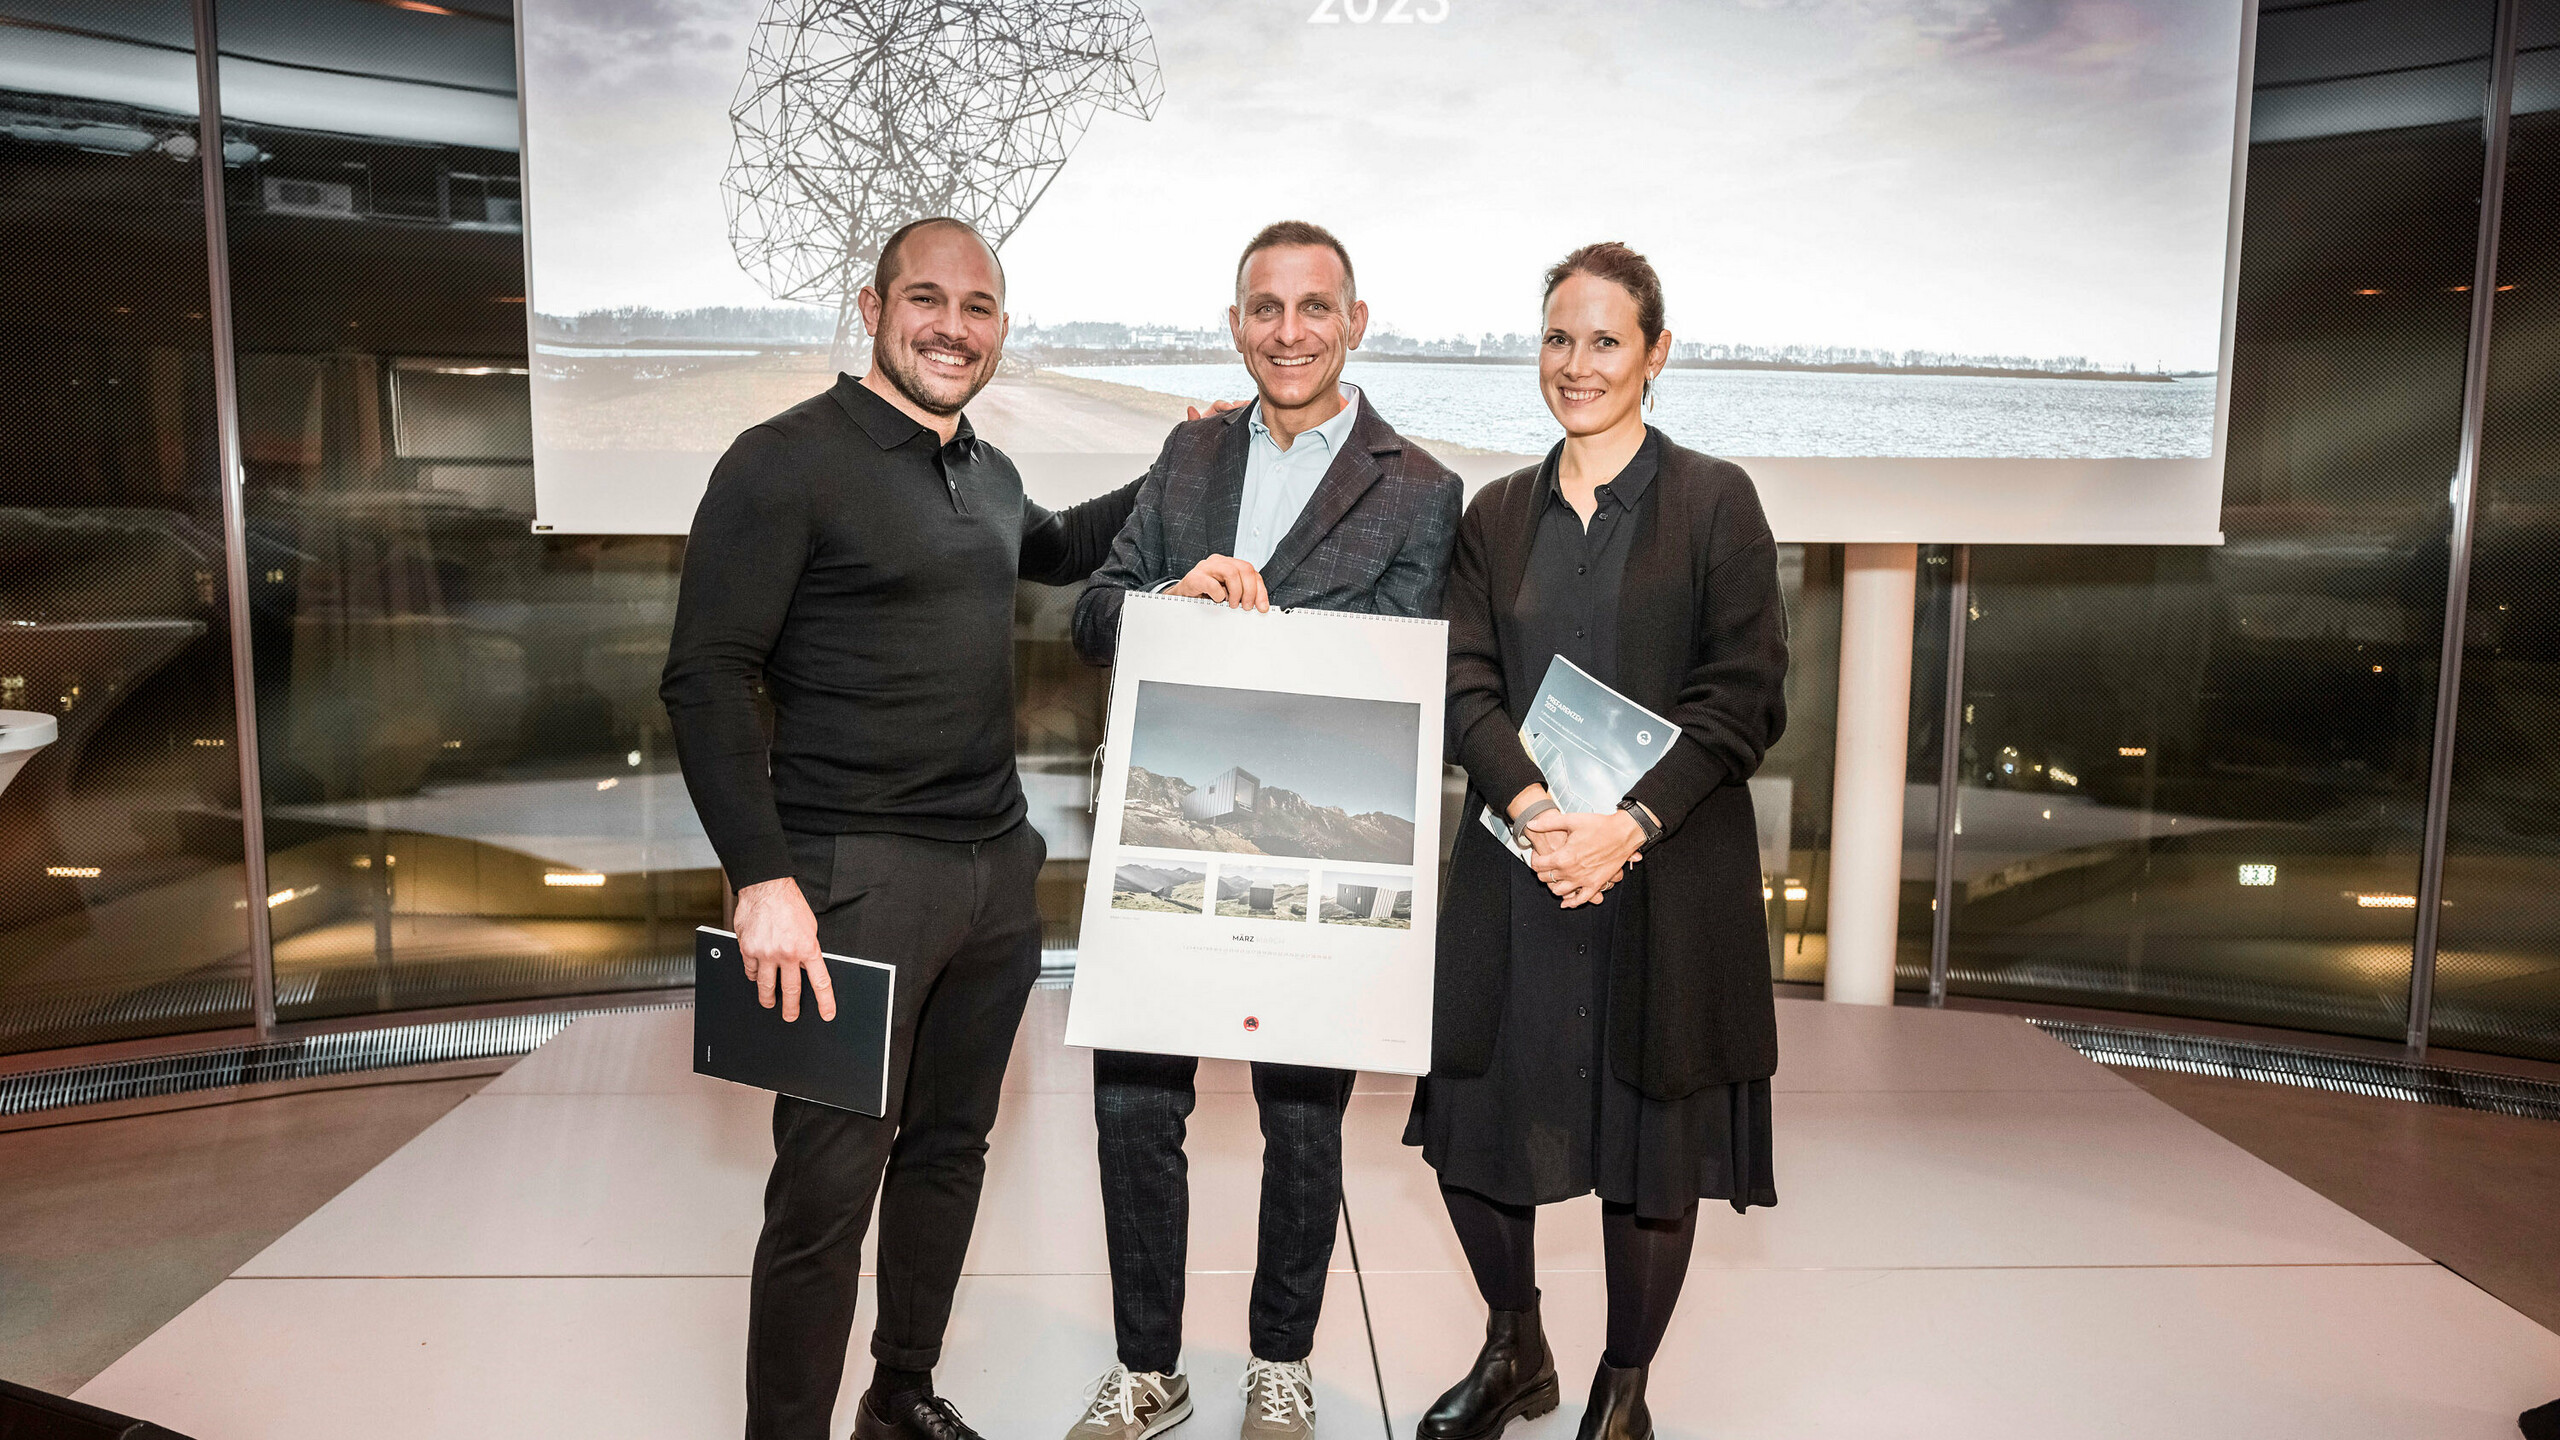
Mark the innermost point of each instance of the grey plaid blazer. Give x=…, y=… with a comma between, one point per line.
x=1374, y=538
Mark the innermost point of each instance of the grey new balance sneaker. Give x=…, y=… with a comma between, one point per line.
x=1279, y=1400
x=1128, y=1404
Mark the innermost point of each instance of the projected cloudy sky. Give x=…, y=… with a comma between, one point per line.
x=2012, y=176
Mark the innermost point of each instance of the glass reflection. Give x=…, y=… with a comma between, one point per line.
x=1791, y=794
x=2498, y=961
x=121, y=902
x=2195, y=780
x=469, y=791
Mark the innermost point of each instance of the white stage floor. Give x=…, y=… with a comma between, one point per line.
x=1980, y=1235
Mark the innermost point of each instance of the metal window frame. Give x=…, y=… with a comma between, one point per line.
x=1942, y=908
x=2499, y=107
x=235, y=522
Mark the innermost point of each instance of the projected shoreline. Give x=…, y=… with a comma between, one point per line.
x=668, y=395
x=1771, y=411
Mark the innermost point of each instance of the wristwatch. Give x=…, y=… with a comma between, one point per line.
x=1520, y=822
x=1644, y=820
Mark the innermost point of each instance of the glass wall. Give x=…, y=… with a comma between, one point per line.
x=469, y=790
x=2193, y=780
x=1791, y=794
x=2498, y=968
x=122, y=909
x=1059, y=707
x=2196, y=779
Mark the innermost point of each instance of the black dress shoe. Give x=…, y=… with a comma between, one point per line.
x=1616, y=1411
x=919, y=1415
x=1514, y=1379
x=2541, y=1422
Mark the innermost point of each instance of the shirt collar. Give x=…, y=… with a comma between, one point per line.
x=1626, y=488
x=1333, y=432
x=888, y=426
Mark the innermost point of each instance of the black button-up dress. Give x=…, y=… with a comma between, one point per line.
x=1549, y=1119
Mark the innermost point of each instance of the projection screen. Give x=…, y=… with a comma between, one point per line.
x=1938, y=270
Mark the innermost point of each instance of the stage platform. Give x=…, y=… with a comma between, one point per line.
x=1980, y=1235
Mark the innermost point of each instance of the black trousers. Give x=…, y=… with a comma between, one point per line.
x=960, y=922
x=1140, y=1104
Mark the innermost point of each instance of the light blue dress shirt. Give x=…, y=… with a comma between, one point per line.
x=1278, y=483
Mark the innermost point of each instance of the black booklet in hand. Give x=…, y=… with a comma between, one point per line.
x=842, y=1062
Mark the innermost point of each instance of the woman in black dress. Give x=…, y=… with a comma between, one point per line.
x=1603, y=1021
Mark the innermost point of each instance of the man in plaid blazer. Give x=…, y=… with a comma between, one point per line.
x=1304, y=498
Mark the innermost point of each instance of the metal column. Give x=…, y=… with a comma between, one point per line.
x=1950, y=772
x=235, y=522
x=2465, y=493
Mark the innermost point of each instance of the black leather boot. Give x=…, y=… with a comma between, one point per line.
x=915, y=1415
x=1616, y=1411
x=1514, y=1378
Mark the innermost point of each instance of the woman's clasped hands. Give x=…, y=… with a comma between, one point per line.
x=1580, y=856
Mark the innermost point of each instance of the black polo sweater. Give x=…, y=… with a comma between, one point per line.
x=866, y=574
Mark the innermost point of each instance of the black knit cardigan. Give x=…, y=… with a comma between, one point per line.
x=1702, y=639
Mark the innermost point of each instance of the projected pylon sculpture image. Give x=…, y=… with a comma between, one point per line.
x=857, y=116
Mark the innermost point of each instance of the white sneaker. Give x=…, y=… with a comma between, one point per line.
x=1128, y=1404
x=1279, y=1400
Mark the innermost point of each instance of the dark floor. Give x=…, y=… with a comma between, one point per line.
x=111, y=1227
x=2477, y=1193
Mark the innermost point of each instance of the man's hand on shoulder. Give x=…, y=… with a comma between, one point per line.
x=778, y=941
x=1227, y=580
x=1216, y=407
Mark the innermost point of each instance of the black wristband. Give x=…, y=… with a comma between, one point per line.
x=1634, y=808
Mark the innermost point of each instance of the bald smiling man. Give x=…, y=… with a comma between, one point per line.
x=857, y=554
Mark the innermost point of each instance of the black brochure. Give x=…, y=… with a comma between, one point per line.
x=842, y=1062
